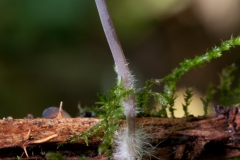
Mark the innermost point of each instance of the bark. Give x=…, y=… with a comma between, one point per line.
x=215, y=136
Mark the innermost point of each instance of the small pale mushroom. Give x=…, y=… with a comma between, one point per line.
x=52, y=112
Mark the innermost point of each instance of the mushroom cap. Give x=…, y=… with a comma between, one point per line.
x=52, y=112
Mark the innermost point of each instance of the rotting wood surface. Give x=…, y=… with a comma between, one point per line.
x=216, y=136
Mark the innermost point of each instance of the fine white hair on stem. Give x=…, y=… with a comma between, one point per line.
x=128, y=81
x=125, y=151
x=130, y=140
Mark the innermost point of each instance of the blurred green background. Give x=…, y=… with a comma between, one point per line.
x=55, y=50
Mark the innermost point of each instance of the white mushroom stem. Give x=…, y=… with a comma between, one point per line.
x=124, y=75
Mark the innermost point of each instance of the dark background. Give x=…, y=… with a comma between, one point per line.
x=55, y=50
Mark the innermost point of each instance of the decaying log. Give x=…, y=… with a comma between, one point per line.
x=216, y=136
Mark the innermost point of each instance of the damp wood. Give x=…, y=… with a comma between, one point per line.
x=216, y=136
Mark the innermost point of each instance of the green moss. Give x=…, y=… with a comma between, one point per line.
x=111, y=110
x=19, y=158
x=211, y=91
x=54, y=156
x=226, y=80
x=187, y=100
x=171, y=80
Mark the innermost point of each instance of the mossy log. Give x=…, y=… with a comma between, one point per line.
x=216, y=136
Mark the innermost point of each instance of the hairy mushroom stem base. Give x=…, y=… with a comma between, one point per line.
x=124, y=76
